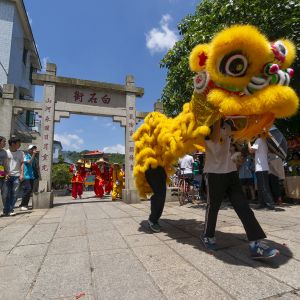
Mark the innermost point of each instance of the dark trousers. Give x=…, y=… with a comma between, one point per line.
x=263, y=188
x=218, y=186
x=274, y=186
x=157, y=180
x=27, y=186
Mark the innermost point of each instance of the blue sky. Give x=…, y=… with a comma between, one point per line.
x=105, y=41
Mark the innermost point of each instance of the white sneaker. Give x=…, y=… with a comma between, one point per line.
x=24, y=208
x=11, y=214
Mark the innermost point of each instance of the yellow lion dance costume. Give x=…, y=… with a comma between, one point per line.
x=240, y=73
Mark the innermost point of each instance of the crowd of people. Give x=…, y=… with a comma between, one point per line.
x=108, y=178
x=18, y=173
x=261, y=173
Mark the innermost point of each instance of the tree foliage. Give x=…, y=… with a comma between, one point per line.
x=60, y=175
x=276, y=19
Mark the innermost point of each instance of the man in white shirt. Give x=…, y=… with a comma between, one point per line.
x=222, y=178
x=15, y=161
x=186, y=164
x=260, y=149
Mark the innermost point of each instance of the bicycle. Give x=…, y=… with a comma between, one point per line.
x=186, y=190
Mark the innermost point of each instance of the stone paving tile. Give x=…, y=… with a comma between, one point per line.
x=63, y=276
x=85, y=297
x=39, y=234
x=28, y=219
x=3, y=255
x=49, y=220
x=39, y=212
x=291, y=233
x=127, y=226
x=169, y=232
x=187, y=283
x=113, y=282
x=6, y=246
x=30, y=250
x=15, y=281
x=14, y=232
x=72, y=223
x=283, y=268
x=66, y=245
x=93, y=212
x=132, y=211
x=234, y=276
x=114, y=212
x=93, y=226
x=159, y=257
x=67, y=231
x=138, y=240
x=106, y=240
x=287, y=296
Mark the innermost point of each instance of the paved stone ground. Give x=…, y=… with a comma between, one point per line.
x=103, y=250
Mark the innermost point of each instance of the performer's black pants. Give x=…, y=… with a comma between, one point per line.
x=274, y=186
x=263, y=188
x=157, y=180
x=218, y=186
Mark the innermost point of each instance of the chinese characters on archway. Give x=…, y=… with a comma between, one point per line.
x=131, y=126
x=47, y=116
x=90, y=98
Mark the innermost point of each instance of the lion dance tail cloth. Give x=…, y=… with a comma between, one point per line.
x=239, y=75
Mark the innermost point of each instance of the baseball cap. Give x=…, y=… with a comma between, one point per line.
x=31, y=147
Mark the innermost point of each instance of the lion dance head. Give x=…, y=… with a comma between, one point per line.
x=241, y=76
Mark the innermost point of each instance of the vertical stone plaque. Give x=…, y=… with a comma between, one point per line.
x=130, y=128
x=47, y=129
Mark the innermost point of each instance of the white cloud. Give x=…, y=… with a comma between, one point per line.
x=115, y=149
x=163, y=38
x=69, y=141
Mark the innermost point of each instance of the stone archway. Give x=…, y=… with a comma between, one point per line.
x=64, y=96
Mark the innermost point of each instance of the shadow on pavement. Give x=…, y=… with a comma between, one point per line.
x=232, y=247
x=79, y=201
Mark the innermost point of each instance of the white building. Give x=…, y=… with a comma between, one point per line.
x=18, y=59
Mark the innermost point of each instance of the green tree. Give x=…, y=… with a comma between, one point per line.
x=60, y=175
x=278, y=18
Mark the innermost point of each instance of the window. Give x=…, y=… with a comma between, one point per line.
x=32, y=70
x=25, y=52
x=30, y=118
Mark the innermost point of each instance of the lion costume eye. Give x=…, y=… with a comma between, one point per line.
x=279, y=50
x=234, y=64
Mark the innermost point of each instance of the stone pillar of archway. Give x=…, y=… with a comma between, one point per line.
x=130, y=194
x=6, y=110
x=44, y=199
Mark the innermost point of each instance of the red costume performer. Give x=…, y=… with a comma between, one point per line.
x=109, y=179
x=78, y=178
x=98, y=171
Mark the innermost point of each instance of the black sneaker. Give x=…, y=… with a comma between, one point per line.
x=270, y=207
x=260, y=206
x=155, y=227
x=260, y=250
x=209, y=243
